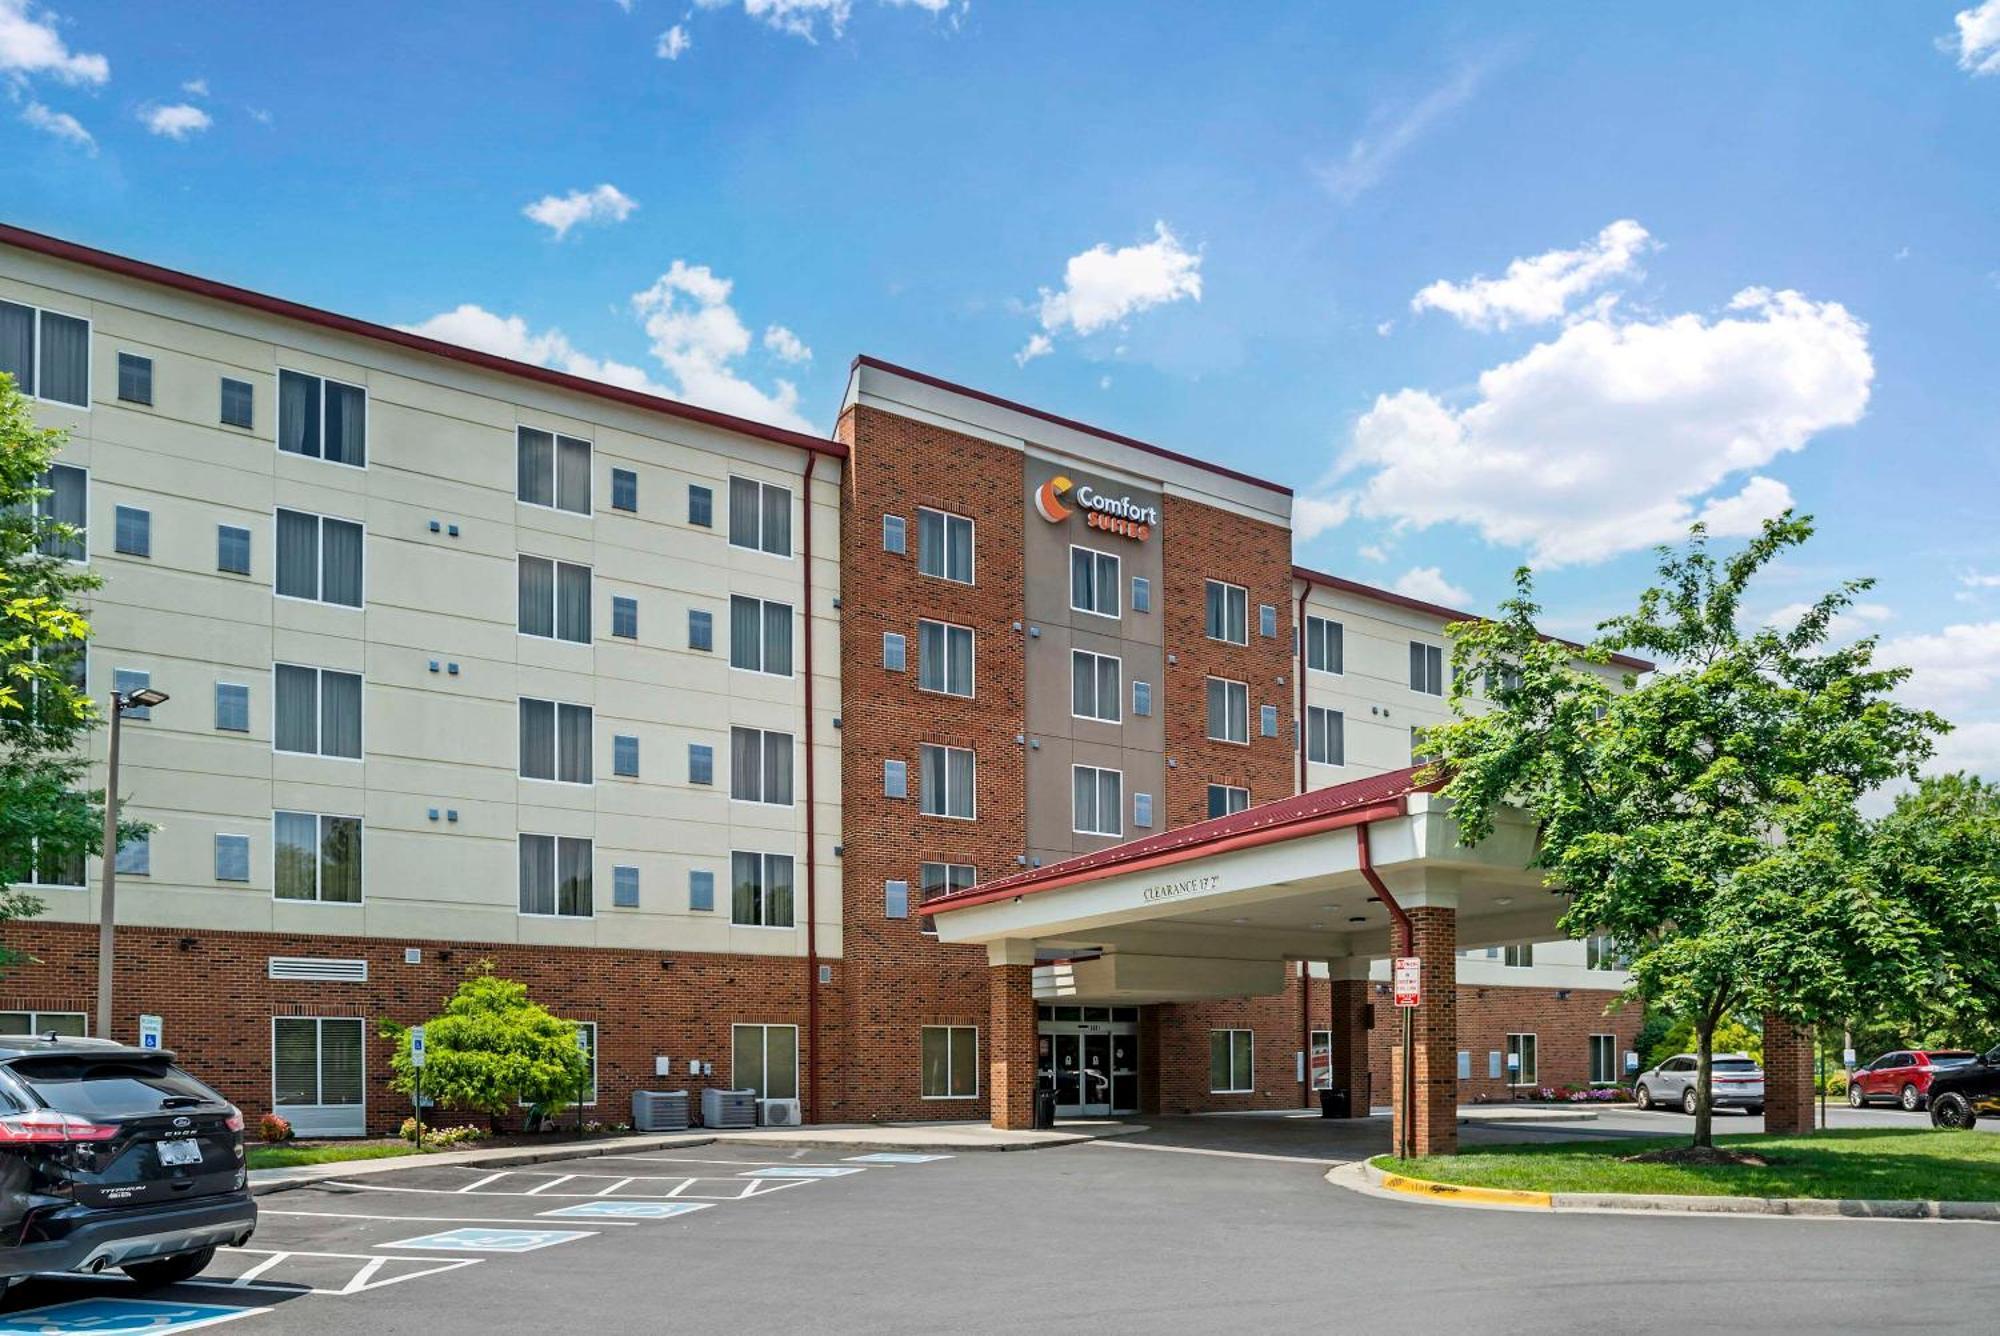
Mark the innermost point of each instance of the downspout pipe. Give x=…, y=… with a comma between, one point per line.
x=1404, y=937
x=812, y=847
x=1299, y=630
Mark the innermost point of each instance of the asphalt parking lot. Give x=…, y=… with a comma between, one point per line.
x=1195, y=1225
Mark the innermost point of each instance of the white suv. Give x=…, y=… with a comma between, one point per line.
x=1738, y=1083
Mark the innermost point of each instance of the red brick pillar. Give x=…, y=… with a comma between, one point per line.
x=1349, y=1023
x=1011, y=1045
x=1788, y=1076
x=1435, y=933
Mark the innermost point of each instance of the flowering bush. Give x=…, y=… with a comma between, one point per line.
x=273, y=1128
x=435, y=1137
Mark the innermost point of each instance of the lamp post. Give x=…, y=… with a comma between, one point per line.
x=121, y=701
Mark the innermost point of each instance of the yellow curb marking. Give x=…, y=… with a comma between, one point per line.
x=1419, y=1187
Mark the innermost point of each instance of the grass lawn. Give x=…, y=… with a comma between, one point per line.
x=1881, y=1163
x=285, y=1157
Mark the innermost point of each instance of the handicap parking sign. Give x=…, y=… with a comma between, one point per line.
x=106, y=1317
x=627, y=1210
x=804, y=1171
x=491, y=1240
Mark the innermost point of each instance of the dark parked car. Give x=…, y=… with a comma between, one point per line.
x=112, y=1156
x=1962, y=1095
x=1903, y=1075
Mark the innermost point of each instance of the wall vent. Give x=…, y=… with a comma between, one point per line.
x=319, y=970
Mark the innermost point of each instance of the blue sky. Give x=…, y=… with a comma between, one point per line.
x=1757, y=259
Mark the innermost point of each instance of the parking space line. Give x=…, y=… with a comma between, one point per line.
x=544, y=1187
x=363, y=1279
x=605, y=1192
x=260, y=1268
x=425, y=1219
x=692, y=1159
x=490, y=1178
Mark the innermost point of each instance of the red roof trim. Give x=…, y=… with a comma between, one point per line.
x=1374, y=798
x=313, y=315
x=982, y=396
x=1437, y=610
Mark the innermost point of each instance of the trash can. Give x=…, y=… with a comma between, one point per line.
x=1045, y=1109
x=1335, y=1104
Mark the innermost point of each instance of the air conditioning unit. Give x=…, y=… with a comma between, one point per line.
x=728, y=1108
x=660, y=1110
x=778, y=1113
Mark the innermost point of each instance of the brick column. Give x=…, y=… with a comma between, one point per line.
x=1011, y=1045
x=1788, y=1076
x=1349, y=1022
x=1435, y=933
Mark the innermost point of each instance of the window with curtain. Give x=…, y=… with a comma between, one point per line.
x=1519, y=956
x=17, y=345
x=760, y=636
x=316, y=711
x=554, y=599
x=1326, y=650
x=761, y=894
x=1226, y=799
x=760, y=516
x=555, y=741
x=1326, y=736
x=944, y=658
x=552, y=470
x=54, y=867
x=47, y=354
x=947, y=779
x=64, y=512
x=765, y=1058
x=555, y=876
x=1094, y=690
x=316, y=856
x=1228, y=612
x=944, y=545
x=935, y=879
x=1232, y=1062
x=322, y=419
x=951, y=1062
x=1228, y=710
x=1426, y=668
x=624, y=490
x=1097, y=800
x=319, y=558
x=132, y=531
x=760, y=766
x=1093, y=582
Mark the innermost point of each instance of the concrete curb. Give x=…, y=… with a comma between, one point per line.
x=1365, y=1177
x=500, y=1157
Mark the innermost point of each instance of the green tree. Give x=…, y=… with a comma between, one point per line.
x=1731, y=1036
x=492, y=1049
x=1704, y=818
x=48, y=821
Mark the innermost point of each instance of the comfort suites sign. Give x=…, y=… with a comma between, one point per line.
x=1059, y=498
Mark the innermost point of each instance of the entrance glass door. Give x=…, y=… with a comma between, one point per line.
x=1089, y=1056
x=1096, y=1085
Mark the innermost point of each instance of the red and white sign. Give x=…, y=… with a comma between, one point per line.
x=1409, y=981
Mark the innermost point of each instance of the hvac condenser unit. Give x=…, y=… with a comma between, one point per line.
x=778, y=1113
x=728, y=1108
x=660, y=1110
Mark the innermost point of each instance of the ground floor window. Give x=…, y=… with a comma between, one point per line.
x=1521, y=1066
x=766, y=1060
x=587, y=1040
x=73, y=1023
x=1603, y=1059
x=1319, y=1064
x=317, y=1074
x=1231, y=1062
x=951, y=1062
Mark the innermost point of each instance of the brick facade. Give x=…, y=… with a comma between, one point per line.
x=1788, y=1076
x=1433, y=1048
x=1012, y=1043
x=1487, y=1014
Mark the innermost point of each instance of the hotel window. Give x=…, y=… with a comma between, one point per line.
x=895, y=899
x=132, y=531
x=69, y=1024
x=1097, y=800
x=66, y=504
x=1142, y=699
x=1224, y=799
x=319, y=559
x=701, y=891
x=232, y=549
x=1326, y=736
x=1267, y=621
x=951, y=1062
x=318, y=1063
x=135, y=856
x=1326, y=649
x=47, y=354
x=895, y=779
x=935, y=879
x=624, y=490
x=624, y=617
x=322, y=419
x=555, y=741
x=1093, y=582
x=701, y=506
x=760, y=766
x=316, y=857
x=760, y=516
x=1501, y=682
x=551, y=470
x=761, y=890
x=625, y=755
x=125, y=681
x=1228, y=613
x=944, y=658
x=1601, y=953
x=1142, y=594
x=586, y=1039
x=1521, y=1065
x=52, y=868
x=135, y=379
x=944, y=545
x=1319, y=1063
x=1603, y=1059
x=1519, y=956
x=895, y=534
x=1426, y=668
x=892, y=651
x=701, y=629
x=238, y=404
x=701, y=763
x=1228, y=710
x=947, y=776
x=1094, y=686
x=765, y=1058
x=316, y=711
x=232, y=707
x=1142, y=811
x=554, y=600
x=760, y=636
x=1231, y=1062
x=555, y=876
x=1419, y=754
x=1267, y=721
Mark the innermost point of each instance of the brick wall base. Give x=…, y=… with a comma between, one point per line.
x=1788, y=1077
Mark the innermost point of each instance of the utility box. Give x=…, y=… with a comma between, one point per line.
x=728, y=1108
x=659, y=1110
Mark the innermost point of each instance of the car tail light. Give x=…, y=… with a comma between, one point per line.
x=234, y=1122
x=47, y=1125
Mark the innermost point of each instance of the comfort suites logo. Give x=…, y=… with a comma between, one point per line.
x=1120, y=515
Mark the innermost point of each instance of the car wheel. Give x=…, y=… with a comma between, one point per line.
x=1644, y=1098
x=1953, y=1112
x=171, y=1270
x=1754, y=1110
x=1690, y=1101
x=1855, y=1099
x=1910, y=1099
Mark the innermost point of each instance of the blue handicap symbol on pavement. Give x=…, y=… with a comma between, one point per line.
x=629, y=1210
x=491, y=1240
x=894, y=1157
x=101, y=1316
x=804, y=1171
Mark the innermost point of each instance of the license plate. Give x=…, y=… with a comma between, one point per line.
x=180, y=1152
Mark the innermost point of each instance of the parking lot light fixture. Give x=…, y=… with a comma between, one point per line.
x=145, y=698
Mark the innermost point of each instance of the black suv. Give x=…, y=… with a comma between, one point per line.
x=1959, y=1095
x=112, y=1156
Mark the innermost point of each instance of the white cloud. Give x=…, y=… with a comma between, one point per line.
x=30, y=46
x=1385, y=329
x=1973, y=746
x=785, y=345
x=1614, y=435
x=1976, y=580
x=804, y=18
x=1103, y=287
x=1104, y=382
x=673, y=43
x=1389, y=134
x=58, y=123
x=1539, y=289
x=175, y=122
x=1372, y=552
x=1314, y=515
x=1953, y=669
x=509, y=336
x=195, y=88
x=1428, y=583
x=1979, y=38
x=1038, y=345
x=559, y=213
